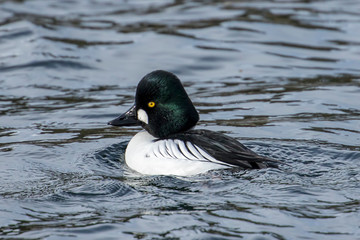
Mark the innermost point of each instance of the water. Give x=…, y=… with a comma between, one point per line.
x=282, y=77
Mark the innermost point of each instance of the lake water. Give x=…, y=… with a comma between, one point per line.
x=282, y=77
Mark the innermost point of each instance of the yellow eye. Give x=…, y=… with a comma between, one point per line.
x=151, y=104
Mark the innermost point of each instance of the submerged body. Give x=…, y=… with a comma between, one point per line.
x=168, y=146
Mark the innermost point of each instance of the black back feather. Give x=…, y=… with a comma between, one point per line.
x=225, y=149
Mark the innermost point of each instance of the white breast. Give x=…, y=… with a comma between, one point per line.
x=168, y=157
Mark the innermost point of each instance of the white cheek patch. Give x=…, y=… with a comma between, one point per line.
x=142, y=116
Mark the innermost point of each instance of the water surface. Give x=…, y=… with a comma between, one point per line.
x=282, y=77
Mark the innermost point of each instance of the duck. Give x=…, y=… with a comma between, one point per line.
x=169, y=144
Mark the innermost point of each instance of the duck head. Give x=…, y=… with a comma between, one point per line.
x=162, y=106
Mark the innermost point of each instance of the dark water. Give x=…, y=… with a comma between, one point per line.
x=283, y=77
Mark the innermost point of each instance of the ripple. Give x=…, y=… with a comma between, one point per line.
x=280, y=76
x=83, y=43
x=18, y=33
x=217, y=48
x=91, y=190
x=50, y=64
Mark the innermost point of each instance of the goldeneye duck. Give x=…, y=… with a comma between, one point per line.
x=169, y=145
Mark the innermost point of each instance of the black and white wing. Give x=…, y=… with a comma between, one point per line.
x=182, y=149
x=221, y=149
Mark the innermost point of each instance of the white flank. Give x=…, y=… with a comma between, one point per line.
x=167, y=156
x=142, y=116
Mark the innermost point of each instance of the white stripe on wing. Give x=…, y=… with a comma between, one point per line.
x=178, y=149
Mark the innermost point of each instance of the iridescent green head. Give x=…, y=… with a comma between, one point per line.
x=162, y=106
